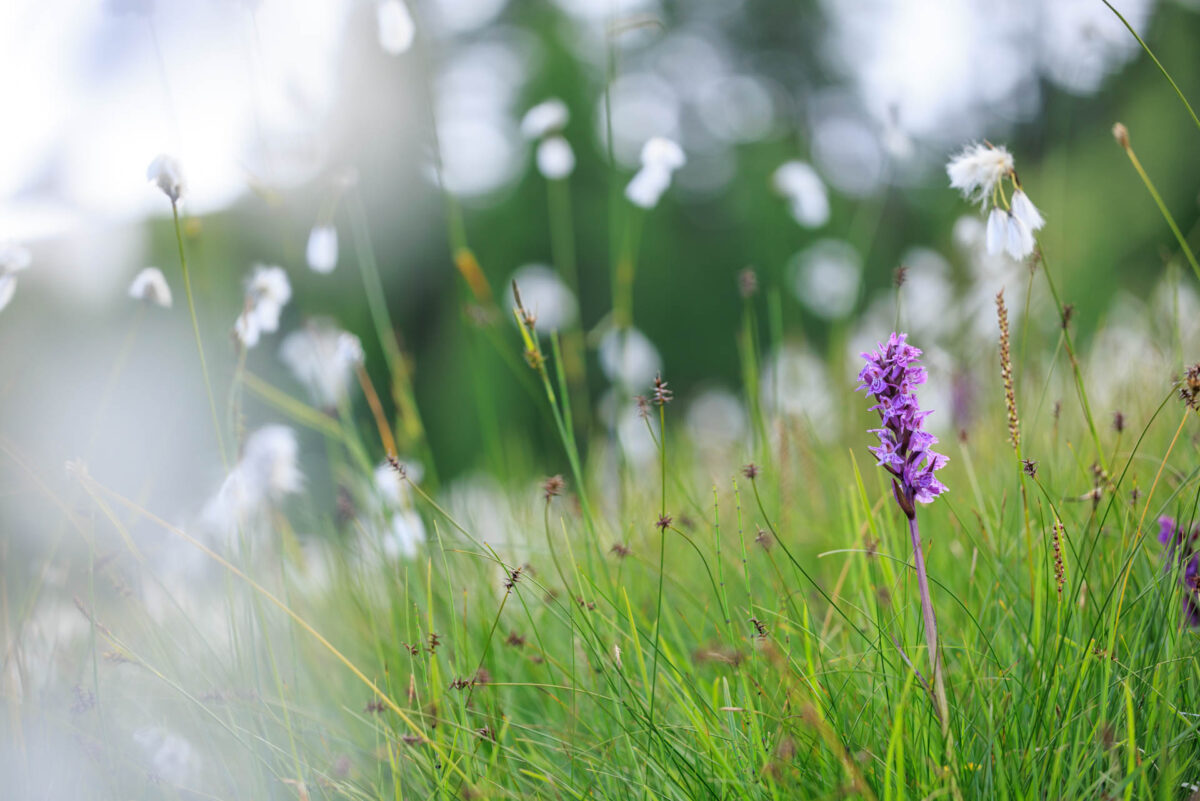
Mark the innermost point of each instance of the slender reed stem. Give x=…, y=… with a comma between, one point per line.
x=1122, y=136
x=187, y=287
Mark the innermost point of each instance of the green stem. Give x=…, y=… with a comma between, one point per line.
x=187, y=287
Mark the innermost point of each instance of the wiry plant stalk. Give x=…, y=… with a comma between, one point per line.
x=187, y=288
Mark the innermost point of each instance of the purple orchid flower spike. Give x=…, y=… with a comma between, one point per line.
x=891, y=375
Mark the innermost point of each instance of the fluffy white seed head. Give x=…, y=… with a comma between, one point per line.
x=805, y=191
x=14, y=258
x=268, y=290
x=663, y=153
x=406, y=535
x=166, y=173
x=977, y=169
x=997, y=231
x=323, y=358
x=647, y=186
x=1008, y=233
x=267, y=472
x=628, y=358
x=555, y=159
x=396, y=28
x=1024, y=210
x=150, y=286
x=8, y=287
x=548, y=117
x=322, y=250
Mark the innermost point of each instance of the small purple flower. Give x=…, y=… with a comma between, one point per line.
x=891, y=374
x=1181, y=546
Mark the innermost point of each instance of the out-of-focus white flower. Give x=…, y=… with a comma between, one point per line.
x=322, y=250
x=323, y=358
x=796, y=383
x=392, y=487
x=396, y=28
x=8, y=286
x=628, y=358
x=268, y=290
x=405, y=530
x=406, y=535
x=548, y=117
x=661, y=157
x=1024, y=210
x=662, y=152
x=826, y=278
x=546, y=296
x=1008, y=233
x=805, y=191
x=165, y=173
x=151, y=286
x=716, y=420
x=977, y=170
x=171, y=758
x=647, y=186
x=14, y=258
x=555, y=159
x=267, y=471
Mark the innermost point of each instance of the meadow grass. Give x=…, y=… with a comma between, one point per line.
x=738, y=624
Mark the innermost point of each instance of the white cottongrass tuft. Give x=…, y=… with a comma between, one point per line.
x=8, y=287
x=1008, y=233
x=13, y=259
x=661, y=157
x=1024, y=210
x=405, y=530
x=166, y=173
x=268, y=290
x=805, y=192
x=151, y=286
x=628, y=358
x=662, y=152
x=323, y=358
x=267, y=472
x=170, y=757
x=322, y=250
x=555, y=159
x=977, y=170
x=827, y=277
x=397, y=31
x=548, y=117
x=647, y=186
x=545, y=295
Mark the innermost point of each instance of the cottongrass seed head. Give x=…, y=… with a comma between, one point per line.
x=979, y=172
x=150, y=286
x=166, y=173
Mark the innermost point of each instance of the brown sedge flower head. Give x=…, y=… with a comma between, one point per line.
x=1189, y=387
x=663, y=522
x=747, y=282
x=1010, y=398
x=662, y=395
x=751, y=471
x=553, y=486
x=1059, y=567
